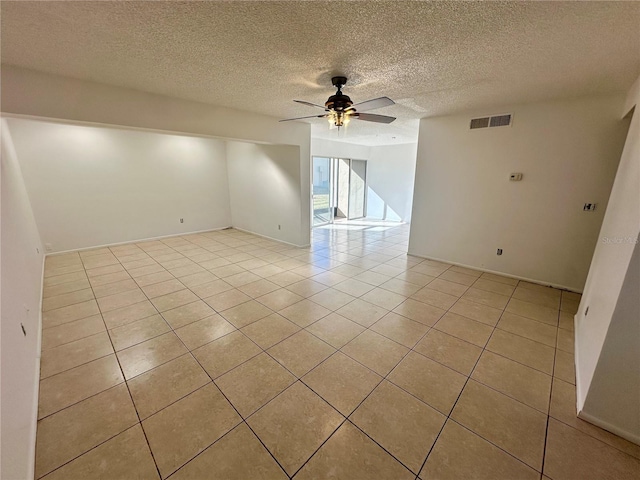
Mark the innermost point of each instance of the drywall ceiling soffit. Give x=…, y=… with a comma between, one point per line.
x=432, y=58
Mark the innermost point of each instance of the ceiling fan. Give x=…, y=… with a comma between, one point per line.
x=339, y=109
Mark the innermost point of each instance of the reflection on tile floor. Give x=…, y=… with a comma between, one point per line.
x=226, y=355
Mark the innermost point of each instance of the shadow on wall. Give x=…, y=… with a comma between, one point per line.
x=377, y=207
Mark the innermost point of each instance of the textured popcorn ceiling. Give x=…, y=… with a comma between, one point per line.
x=432, y=58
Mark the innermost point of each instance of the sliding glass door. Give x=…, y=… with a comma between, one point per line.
x=321, y=191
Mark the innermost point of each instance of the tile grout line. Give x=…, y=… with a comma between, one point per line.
x=385, y=377
x=300, y=379
x=124, y=381
x=448, y=416
x=213, y=382
x=124, y=378
x=546, y=430
x=127, y=380
x=243, y=420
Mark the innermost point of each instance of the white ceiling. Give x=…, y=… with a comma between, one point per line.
x=432, y=58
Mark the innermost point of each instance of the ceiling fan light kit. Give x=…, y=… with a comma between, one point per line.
x=339, y=109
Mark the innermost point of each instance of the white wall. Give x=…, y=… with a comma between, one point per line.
x=328, y=148
x=465, y=207
x=390, y=179
x=607, y=349
x=264, y=186
x=390, y=175
x=613, y=398
x=94, y=186
x=22, y=262
x=27, y=92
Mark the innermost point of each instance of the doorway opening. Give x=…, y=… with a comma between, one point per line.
x=338, y=189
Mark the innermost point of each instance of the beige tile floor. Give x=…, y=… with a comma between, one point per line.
x=225, y=355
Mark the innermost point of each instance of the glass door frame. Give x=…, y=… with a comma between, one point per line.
x=331, y=187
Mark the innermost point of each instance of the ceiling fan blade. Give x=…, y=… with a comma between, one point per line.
x=374, y=103
x=370, y=117
x=301, y=118
x=309, y=104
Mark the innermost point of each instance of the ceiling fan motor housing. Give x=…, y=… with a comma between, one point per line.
x=338, y=102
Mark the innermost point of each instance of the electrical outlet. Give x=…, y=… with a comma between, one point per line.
x=182, y=220
x=278, y=227
x=48, y=247
x=589, y=207
x=499, y=252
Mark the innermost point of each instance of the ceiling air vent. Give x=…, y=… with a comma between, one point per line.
x=495, y=121
x=479, y=122
x=500, y=120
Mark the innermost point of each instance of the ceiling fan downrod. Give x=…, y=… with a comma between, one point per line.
x=338, y=102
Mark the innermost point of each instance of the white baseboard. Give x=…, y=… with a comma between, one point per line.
x=517, y=277
x=632, y=437
x=31, y=468
x=271, y=238
x=576, y=349
x=149, y=239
